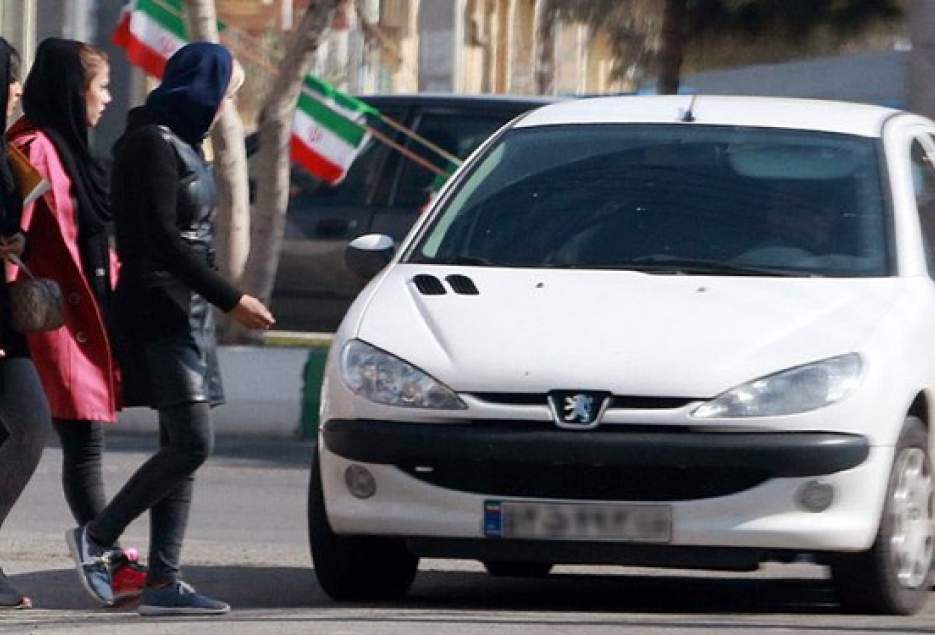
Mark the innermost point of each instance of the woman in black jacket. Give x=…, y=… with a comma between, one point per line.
x=25, y=420
x=163, y=196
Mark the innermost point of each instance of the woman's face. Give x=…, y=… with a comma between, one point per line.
x=98, y=94
x=16, y=91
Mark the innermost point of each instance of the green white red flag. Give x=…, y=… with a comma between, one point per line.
x=329, y=130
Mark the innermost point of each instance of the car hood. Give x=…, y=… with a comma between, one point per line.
x=630, y=333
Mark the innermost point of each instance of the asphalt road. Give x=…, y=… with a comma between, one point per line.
x=247, y=544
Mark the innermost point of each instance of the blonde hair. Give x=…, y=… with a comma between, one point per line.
x=93, y=60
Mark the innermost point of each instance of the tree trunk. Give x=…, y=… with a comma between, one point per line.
x=230, y=161
x=545, y=48
x=672, y=46
x=922, y=58
x=273, y=162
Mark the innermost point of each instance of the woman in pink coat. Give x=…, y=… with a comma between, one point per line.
x=68, y=236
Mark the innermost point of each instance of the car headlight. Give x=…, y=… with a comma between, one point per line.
x=791, y=391
x=383, y=378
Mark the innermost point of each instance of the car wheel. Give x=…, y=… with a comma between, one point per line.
x=355, y=568
x=895, y=574
x=518, y=569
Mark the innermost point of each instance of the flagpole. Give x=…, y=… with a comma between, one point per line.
x=257, y=59
x=392, y=123
x=406, y=152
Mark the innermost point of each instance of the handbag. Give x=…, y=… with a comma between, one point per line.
x=36, y=304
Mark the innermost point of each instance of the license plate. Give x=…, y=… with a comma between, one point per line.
x=578, y=521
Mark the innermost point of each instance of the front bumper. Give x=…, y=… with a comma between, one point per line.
x=725, y=489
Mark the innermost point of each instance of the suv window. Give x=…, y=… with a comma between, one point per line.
x=458, y=134
x=669, y=199
x=923, y=181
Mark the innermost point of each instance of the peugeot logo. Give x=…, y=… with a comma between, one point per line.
x=579, y=410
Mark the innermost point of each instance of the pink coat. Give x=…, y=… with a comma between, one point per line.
x=75, y=362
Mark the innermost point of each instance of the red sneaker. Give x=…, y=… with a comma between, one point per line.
x=128, y=580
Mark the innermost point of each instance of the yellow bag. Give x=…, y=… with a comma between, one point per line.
x=30, y=183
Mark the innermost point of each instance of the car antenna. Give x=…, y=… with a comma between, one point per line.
x=688, y=116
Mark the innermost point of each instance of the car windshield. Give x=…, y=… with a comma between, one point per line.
x=687, y=199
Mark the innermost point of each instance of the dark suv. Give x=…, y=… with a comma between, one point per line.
x=383, y=193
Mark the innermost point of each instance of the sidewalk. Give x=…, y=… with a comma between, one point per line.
x=263, y=386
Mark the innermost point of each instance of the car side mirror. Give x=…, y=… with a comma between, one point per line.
x=367, y=255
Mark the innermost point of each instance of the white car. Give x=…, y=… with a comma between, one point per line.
x=692, y=332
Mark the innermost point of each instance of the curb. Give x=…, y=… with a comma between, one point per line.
x=264, y=389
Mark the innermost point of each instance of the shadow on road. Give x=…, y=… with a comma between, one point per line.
x=441, y=598
x=624, y=593
x=242, y=587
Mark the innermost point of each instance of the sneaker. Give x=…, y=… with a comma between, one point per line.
x=93, y=564
x=127, y=580
x=179, y=598
x=10, y=598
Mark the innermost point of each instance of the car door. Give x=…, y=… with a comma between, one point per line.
x=457, y=131
x=313, y=286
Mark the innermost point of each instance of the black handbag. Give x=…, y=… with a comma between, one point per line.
x=36, y=304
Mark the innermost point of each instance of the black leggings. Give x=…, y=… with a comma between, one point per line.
x=82, y=473
x=163, y=485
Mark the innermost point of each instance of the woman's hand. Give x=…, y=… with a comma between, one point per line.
x=12, y=245
x=252, y=313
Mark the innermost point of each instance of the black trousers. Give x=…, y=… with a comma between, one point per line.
x=25, y=423
x=163, y=485
x=82, y=470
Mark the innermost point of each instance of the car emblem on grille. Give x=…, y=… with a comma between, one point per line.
x=578, y=410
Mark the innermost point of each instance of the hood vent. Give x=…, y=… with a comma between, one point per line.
x=429, y=285
x=462, y=285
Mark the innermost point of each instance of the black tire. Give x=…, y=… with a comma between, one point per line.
x=518, y=569
x=868, y=582
x=355, y=568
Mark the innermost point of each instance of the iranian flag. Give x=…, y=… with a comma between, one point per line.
x=329, y=129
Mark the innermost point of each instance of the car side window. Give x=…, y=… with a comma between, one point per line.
x=457, y=134
x=923, y=182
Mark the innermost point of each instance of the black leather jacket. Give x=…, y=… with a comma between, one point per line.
x=164, y=197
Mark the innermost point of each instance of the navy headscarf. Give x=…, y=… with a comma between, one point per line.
x=192, y=90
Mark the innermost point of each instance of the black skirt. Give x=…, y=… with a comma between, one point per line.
x=167, y=347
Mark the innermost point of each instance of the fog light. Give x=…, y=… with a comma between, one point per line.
x=816, y=496
x=360, y=481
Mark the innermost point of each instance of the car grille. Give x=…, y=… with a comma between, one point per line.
x=616, y=401
x=589, y=482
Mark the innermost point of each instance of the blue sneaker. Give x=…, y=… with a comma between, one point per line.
x=179, y=598
x=93, y=563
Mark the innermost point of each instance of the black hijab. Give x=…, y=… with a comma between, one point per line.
x=54, y=100
x=193, y=87
x=11, y=205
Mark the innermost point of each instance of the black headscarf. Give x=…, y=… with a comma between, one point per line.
x=54, y=100
x=193, y=86
x=11, y=205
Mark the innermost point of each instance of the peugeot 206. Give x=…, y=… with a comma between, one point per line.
x=692, y=332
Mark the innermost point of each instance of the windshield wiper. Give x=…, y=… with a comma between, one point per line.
x=698, y=266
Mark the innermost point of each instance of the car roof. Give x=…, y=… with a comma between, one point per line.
x=451, y=100
x=802, y=114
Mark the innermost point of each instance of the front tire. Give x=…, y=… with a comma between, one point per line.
x=355, y=568
x=894, y=575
